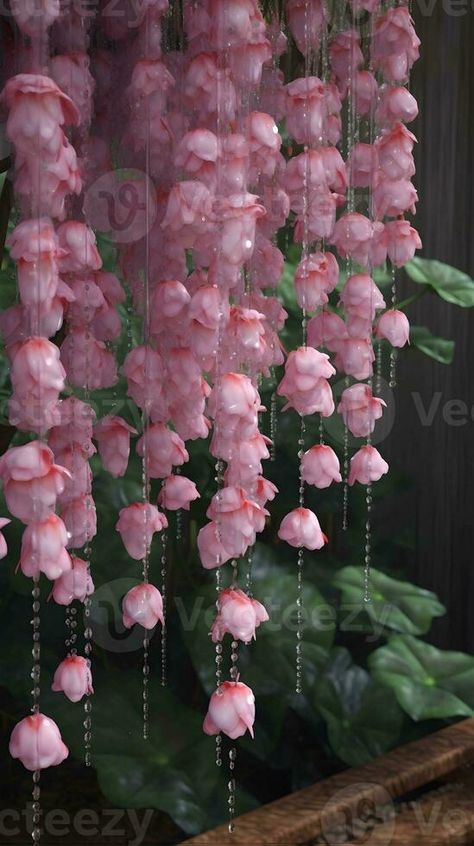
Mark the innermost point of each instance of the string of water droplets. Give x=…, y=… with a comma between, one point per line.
x=35, y=707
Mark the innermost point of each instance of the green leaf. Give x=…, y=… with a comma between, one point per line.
x=448, y=282
x=362, y=717
x=440, y=349
x=395, y=605
x=428, y=682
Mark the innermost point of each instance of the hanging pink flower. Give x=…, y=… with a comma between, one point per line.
x=393, y=197
x=345, y=56
x=362, y=165
x=239, y=615
x=238, y=518
x=395, y=104
x=80, y=519
x=395, y=152
x=177, y=492
x=137, y=524
x=43, y=548
x=197, y=154
x=36, y=741
x=326, y=329
x=305, y=382
x=402, y=240
x=143, y=605
x=306, y=110
x=4, y=521
x=37, y=110
x=36, y=368
x=320, y=466
x=189, y=212
x=305, y=23
x=113, y=437
x=395, y=44
x=245, y=463
x=361, y=298
x=34, y=247
x=73, y=678
x=238, y=215
x=316, y=276
x=365, y=91
x=144, y=370
x=72, y=75
x=352, y=237
x=264, y=145
x=35, y=20
x=211, y=550
x=88, y=362
x=360, y=409
x=75, y=583
x=367, y=466
x=231, y=710
x=78, y=250
x=164, y=450
x=355, y=357
x=300, y=528
x=394, y=326
x=32, y=482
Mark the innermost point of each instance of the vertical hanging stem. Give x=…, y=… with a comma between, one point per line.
x=299, y=586
x=35, y=694
x=218, y=660
x=393, y=352
x=231, y=786
x=368, y=544
x=164, y=630
x=87, y=652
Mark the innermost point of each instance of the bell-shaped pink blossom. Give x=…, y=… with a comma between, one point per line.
x=78, y=250
x=36, y=741
x=197, y=153
x=43, y=548
x=231, y=710
x=164, y=450
x=4, y=521
x=264, y=145
x=305, y=23
x=238, y=615
x=137, y=524
x=73, y=678
x=88, y=362
x=32, y=482
x=80, y=518
x=395, y=104
x=238, y=215
x=143, y=605
x=367, y=466
x=211, y=550
x=355, y=357
x=112, y=434
x=245, y=463
x=362, y=165
x=360, y=409
x=326, y=329
x=300, y=528
x=306, y=110
x=73, y=584
x=379, y=244
x=177, y=492
x=395, y=44
x=394, y=148
x=36, y=368
x=393, y=197
x=361, y=297
x=71, y=72
x=238, y=518
x=144, y=370
x=394, y=326
x=320, y=466
x=188, y=213
x=345, y=57
x=305, y=384
x=365, y=91
x=316, y=276
x=402, y=241
x=37, y=110
x=352, y=237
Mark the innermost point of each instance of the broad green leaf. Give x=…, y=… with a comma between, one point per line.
x=440, y=349
x=428, y=682
x=395, y=605
x=363, y=718
x=448, y=282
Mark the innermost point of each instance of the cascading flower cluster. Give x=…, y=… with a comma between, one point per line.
x=205, y=126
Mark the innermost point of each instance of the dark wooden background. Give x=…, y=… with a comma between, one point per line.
x=440, y=457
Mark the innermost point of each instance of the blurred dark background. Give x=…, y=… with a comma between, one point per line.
x=439, y=457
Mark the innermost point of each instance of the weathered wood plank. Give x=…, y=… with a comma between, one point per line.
x=298, y=818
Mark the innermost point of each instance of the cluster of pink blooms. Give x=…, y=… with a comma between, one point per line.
x=202, y=122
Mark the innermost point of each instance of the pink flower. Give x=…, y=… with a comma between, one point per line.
x=88, y=362
x=352, y=237
x=395, y=152
x=36, y=369
x=264, y=144
x=4, y=521
x=168, y=303
x=73, y=678
x=305, y=23
x=238, y=215
x=231, y=710
x=360, y=410
x=80, y=518
x=355, y=357
x=394, y=326
x=43, y=548
x=320, y=466
x=361, y=297
x=395, y=45
x=316, y=276
x=32, y=482
x=367, y=466
x=113, y=437
x=345, y=56
x=305, y=382
x=326, y=330
x=365, y=91
x=238, y=518
x=197, y=153
x=300, y=528
x=137, y=524
x=395, y=104
x=306, y=110
x=245, y=463
x=211, y=549
x=73, y=584
x=177, y=492
x=403, y=241
x=143, y=605
x=37, y=110
x=71, y=72
x=362, y=165
x=35, y=20
x=239, y=615
x=34, y=247
x=188, y=212
x=164, y=448
x=143, y=368
x=36, y=741
x=393, y=197
x=78, y=248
